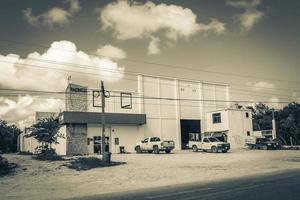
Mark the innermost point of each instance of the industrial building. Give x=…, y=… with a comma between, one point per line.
x=165, y=107
x=162, y=106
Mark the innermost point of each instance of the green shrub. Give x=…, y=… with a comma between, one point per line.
x=47, y=154
x=5, y=166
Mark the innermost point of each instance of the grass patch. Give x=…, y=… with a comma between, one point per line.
x=87, y=163
x=6, y=167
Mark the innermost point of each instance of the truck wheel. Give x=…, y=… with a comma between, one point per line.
x=156, y=149
x=168, y=151
x=224, y=151
x=265, y=147
x=214, y=149
x=195, y=148
x=138, y=149
x=150, y=151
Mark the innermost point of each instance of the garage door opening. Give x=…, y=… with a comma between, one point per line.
x=188, y=126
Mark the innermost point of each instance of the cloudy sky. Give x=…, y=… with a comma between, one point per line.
x=253, y=45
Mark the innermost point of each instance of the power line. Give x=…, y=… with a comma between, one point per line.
x=154, y=63
x=194, y=100
x=72, y=71
x=83, y=66
x=39, y=92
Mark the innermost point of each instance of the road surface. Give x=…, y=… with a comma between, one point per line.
x=273, y=186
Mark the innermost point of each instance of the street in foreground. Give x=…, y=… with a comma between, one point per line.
x=275, y=186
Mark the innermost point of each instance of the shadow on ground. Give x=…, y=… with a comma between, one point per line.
x=84, y=163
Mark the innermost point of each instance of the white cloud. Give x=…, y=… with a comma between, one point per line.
x=22, y=110
x=243, y=3
x=53, y=16
x=34, y=73
x=261, y=85
x=111, y=51
x=153, y=47
x=74, y=6
x=132, y=20
x=251, y=16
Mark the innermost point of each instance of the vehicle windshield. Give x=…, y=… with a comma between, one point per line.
x=213, y=140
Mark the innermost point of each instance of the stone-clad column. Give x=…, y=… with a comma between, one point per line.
x=76, y=139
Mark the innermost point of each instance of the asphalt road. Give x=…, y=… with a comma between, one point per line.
x=283, y=186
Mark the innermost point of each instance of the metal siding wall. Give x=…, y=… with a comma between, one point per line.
x=168, y=90
x=189, y=109
x=209, y=94
x=221, y=96
x=151, y=89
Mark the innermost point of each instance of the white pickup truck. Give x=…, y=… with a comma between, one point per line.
x=209, y=144
x=154, y=144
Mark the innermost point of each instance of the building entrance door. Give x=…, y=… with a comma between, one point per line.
x=98, y=142
x=188, y=126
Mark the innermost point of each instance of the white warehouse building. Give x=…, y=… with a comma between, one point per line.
x=164, y=107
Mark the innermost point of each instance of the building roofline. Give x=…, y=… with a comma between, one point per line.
x=184, y=79
x=226, y=109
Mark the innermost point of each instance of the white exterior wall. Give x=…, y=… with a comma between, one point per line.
x=163, y=114
x=61, y=147
x=235, y=122
x=238, y=127
x=29, y=144
x=128, y=136
x=223, y=126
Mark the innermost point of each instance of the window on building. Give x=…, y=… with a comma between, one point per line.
x=248, y=133
x=247, y=115
x=216, y=118
x=126, y=100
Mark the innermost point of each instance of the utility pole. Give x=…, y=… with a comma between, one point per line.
x=106, y=156
x=273, y=125
x=103, y=118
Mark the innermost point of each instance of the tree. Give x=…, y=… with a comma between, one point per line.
x=46, y=132
x=288, y=123
x=8, y=137
x=262, y=117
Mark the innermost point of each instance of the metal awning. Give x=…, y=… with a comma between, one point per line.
x=68, y=117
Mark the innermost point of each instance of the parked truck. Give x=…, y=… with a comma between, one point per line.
x=262, y=143
x=211, y=144
x=155, y=145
